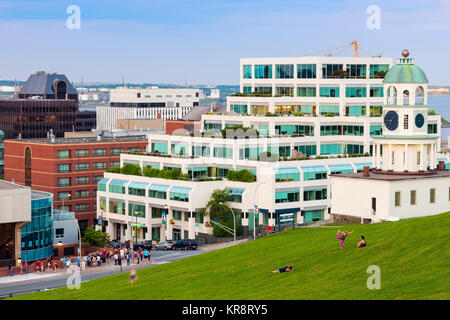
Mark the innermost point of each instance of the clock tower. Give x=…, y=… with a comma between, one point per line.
x=405, y=145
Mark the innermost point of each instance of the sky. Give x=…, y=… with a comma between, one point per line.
x=201, y=41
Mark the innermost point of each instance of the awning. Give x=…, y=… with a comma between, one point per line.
x=235, y=191
x=120, y=183
x=138, y=185
x=158, y=187
x=341, y=167
x=314, y=169
x=181, y=190
x=285, y=170
x=360, y=166
x=290, y=210
x=104, y=181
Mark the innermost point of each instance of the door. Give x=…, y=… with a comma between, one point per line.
x=374, y=204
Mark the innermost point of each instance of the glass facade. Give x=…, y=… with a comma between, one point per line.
x=306, y=91
x=329, y=110
x=331, y=149
x=306, y=71
x=160, y=147
x=356, y=70
x=330, y=92
x=328, y=70
x=239, y=108
x=82, y=153
x=37, y=236
x=284, y=71
x=287, y=196
x=315, y=194
x=309, y=150
x=247, y=72
x=117, y=207
x=376, y=68
x=376, y=92
x=263, y=71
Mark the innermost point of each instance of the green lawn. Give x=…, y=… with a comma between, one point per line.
x=413, y=256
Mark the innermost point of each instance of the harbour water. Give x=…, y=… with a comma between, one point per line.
x=442, y=106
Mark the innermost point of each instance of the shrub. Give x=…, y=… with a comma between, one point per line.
x=131, y=169
x=114, y=170
x=240, y=175
x=95, y=238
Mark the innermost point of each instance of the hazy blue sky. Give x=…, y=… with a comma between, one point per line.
x=201, y=41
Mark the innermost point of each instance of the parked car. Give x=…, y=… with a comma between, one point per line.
x=143, y=245
x=185, y=244
x=164, y=245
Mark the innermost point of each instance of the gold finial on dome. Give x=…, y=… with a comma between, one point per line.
x=405, y=53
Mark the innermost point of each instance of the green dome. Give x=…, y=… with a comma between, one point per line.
x=405, y=73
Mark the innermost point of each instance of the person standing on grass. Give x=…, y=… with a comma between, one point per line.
x=133, y=277
x=342, y=237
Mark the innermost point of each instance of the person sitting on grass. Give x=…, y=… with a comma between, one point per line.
x=285, y=269
x=362, y=243
x=342, y=237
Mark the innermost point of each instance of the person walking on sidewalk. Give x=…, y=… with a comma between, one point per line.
x=26, y=267
x=116, y=258
x=54, y=266
x=10, y=269
x=146, y=254
x=128, y=258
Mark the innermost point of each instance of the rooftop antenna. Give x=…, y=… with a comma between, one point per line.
x=123, y=81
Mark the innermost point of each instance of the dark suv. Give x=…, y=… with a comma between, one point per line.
x=185, y=244
x=143, y=245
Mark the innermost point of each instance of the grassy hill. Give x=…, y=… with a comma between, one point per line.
x=413, y=256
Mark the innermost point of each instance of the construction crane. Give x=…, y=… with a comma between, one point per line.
x=338, y=50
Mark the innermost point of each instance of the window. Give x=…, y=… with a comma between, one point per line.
x=220, y=152
x=82, y=153
x=136, y=210
x=114, y=164
x=376, y=69
x=331, y=92
x=265, y=90
x=376, y=130
x=180, y=194
x=315, y=194
x=63, y=182
x=115, y=151
x=432, y=128
x=99, y=152
x=117, y=207
x=306, y=71
x=405, y=121
x=355, y=92
x=198, y=217
x=81, y=166
x=330, y=70
x=284, y=71
x=247, y=72
x=306, y=91
x=376, y=92
x=96, y=179
x=432, y=195
x=161, y=147
x=134, y=149
x=397, y=198
x=63, y=168
x=82, y=207
x=82, y=194
x=263, y=71
x=309, y=150
x=176, y=215
x=82, y=180
x=64, y=195
x=59, y=233
x=356, y=70
x=331, y=149
x=136, y=191
x=247, y=89
x=418, y=157
x=239, y=108
x=287, y=174
x=413, y=197
x=63, y=154
x=376, y=111
x=287, y=196
x=157, y=194
x=284, y=91
x=99, y=165
x=181, y=149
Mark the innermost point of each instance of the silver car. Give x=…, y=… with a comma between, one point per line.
x=164, y=245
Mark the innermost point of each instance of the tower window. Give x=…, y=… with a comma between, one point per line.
x=413, y=197
x=397, y=198
x=405, y=121
x=418, y=157
x=432, y=195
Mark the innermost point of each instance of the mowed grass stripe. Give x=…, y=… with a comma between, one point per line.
x=413, y=256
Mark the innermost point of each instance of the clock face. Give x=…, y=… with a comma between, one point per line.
x=420, y=120
x=391, y=120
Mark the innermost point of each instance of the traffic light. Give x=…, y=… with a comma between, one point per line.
x=172, y=221
x=208, y=224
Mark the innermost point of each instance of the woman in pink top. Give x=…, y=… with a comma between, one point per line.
x=342, y=237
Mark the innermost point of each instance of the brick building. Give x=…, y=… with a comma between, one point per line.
x=67, y=167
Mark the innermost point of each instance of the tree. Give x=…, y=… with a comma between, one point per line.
x=95, y=238
x=114, y=170
x=216, y=206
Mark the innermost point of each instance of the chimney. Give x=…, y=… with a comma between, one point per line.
x=441, y=166
x=366, y=171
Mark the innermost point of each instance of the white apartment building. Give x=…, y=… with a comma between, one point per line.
x=146, y=103
x=320, y=125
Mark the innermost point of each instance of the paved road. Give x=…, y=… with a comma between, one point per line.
x=158, y=257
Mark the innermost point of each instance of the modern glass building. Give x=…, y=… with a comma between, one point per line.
x=37, y=236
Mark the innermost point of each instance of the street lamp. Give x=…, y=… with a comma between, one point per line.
x=234, y=222
x=254, y=210
x=165, y=218
x=135, y=213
